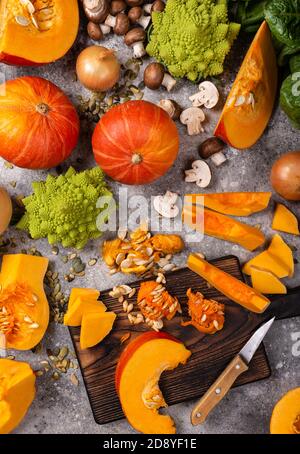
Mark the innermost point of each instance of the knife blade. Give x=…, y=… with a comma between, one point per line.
x=236, y=367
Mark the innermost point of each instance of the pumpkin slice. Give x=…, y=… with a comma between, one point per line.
x=250, y=102
x=266, y=282
x=82, y=306
x=223, y=227
x=95, y=327
x=42, y=38
x=278, y=259
x=233, y=203
x=17, y=391
x=137, y=375
x=24, y=309
x=285, y=418
x=284, y=220
x=5, y=210
x=89, y=293
x=236, y=290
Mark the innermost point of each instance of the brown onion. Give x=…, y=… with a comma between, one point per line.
x=5, y=210
x=98, y=68
x=285, y=176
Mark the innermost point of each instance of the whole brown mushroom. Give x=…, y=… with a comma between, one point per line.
x=120, y=23
x=96, y=10
x=135, y=38
x=136, y=16
x=117, y=6
x=157, y=6
x=155, y=76
x=94, y=31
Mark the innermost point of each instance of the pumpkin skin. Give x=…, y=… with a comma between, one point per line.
x=5, y=210
x=39, y=126
x=24, y=300
x=135, y=142
x=17, y=391
x=31, y=46
x=285, y=418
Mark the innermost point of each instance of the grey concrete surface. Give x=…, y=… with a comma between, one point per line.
x=60, y=407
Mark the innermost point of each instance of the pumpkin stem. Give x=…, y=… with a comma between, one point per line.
x=136, y=158
x=296, y=425
x=43, y=108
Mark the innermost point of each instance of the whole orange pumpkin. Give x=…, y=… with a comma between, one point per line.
x=135, y=142
x=39, y=126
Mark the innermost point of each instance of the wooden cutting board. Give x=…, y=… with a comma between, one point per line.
x=210, y=354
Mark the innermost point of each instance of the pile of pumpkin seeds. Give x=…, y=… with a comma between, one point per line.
x=60, y=361
x=98, y=104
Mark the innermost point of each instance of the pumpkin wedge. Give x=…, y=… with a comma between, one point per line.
x=250, y=102
x=24, y=309
x=266, y=282
x=95, y=326
x=17, y=391
x=236, y=290
x=81, y=306
x=233, y=203
x=278, y=259
x=89, y=293
x=285, y=221
x=286, y=414
x=137, y=375
x=223, y=227
x=43, y=37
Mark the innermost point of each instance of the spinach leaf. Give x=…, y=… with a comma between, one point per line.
x=295, y=64
x=290, y=98
x=285, y=54
x=283, y=17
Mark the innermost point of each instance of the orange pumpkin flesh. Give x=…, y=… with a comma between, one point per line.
x=24, y=309
x=39, y=126
x=17, y=391
x=135, y=142
x=242, y=125
x=286, y=414
x=137, y=375
x=47, y=40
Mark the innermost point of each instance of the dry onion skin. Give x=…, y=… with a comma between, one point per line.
x=285, y=176
x=98, y=68
x=5, y=210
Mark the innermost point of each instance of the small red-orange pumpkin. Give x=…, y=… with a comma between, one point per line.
x=135, y=142
x=39, y=126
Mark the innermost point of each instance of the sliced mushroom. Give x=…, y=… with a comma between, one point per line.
x=207, y=96
x=193, y=118
x=120, y=23
x=117, y=6
x=135, y=38
x=155, y=76
x=166, y=205
x=96, y=10
x=157, y=6
x=199, y=173
x=136, y=16
x=171, y=107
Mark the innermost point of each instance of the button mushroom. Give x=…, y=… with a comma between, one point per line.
x=199, y=173
x=212, y=148
x=208, y=96
x=171, y=107
x=119, y=23
x=135, y=38
x=157, y=6
x=117, y=6
x=136, y=16
x=97, y=31
x=165, y=205
x=96, y=10
x=193, y=118
x=155, y=76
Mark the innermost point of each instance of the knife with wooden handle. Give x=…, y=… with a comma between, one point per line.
x=235, y=368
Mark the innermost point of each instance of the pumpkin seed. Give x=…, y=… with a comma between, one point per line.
x=92, y=262
x=125, y=337
x=129, y=308
x=21, y=20
x=74, y=379
x=55, y=250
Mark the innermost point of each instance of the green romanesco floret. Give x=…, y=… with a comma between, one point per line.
x=192, y=37
x=63, y=209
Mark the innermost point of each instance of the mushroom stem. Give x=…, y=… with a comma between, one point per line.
x=148, y=8
x=105, y=29
x=169, y=82
x=144, y=21
x=110, y=21
x=138, y=49
x=218, y=158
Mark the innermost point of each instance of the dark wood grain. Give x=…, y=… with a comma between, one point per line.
x=210, y=354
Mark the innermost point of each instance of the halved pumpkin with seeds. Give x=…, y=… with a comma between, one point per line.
x=24, y=309
x=38, y=31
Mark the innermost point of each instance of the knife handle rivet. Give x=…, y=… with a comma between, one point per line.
x=198, y=415
x=218, y=391
x=237, y=366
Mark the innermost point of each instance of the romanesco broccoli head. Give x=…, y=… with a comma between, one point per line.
x=64, y=208
x=192, y=37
